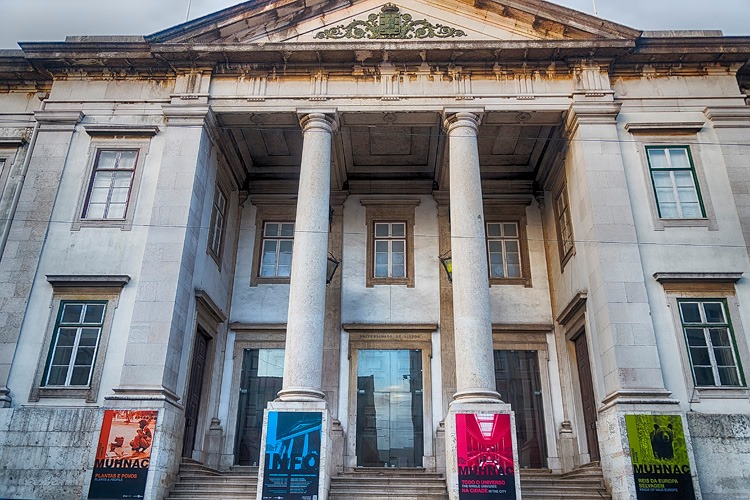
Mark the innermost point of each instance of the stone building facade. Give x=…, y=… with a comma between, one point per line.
x=169, y=203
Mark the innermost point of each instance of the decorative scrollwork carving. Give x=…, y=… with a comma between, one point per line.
x=390, y=24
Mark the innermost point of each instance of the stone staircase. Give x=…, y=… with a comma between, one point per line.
x=384, y=484
x=584, y=483
x=197, y=482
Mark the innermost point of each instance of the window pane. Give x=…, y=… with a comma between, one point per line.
x=704, y=376
x=381, y=259
x=496, y=246
x=658, y=158
x=399, y=271
x=679, y=158
x=80, y=375
x=89, y=336
x=99, y=194
x=66, y=336
x=398, y=246
x=381, y=230
x=692, y=211
x=700, y=356
x=381, y=246
x=107, y=159
x=714, y=312
x=719, y=337
x=116, y=211
x=511, y=246
x=510, y=230
x=729, y=376
x=514, y=271
x=85, y=356
x=284, y=271
x=695, y=337
x=398, y=259
x=71, y=313
x=381, y=270
x=493, y=230
x=724, y=356
x=122, y=179
x=95, y=210
x=57, y=375
x=272, y=229
x=62, y=356
x=690, y=312
x=287, y=230
x=398, y=230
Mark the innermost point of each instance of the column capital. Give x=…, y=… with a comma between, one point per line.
x=453, y=120
x=591, y=113
x=325, y=120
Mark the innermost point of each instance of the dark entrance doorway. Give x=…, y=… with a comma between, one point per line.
x=390, y=418
x=195, y=389
x=517, y=380
x=588, y=401
x=260, y=381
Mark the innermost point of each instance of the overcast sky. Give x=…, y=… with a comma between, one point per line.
x=52, y=20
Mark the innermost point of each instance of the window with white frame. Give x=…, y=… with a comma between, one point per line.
x=276, y=253
x=675, y=183
x=218, y=220
x=75, y=343
x=504, y=250
x=390, y=250
x=110, y=186
x=711, y=344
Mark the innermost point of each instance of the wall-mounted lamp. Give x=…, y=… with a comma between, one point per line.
x=447, y=261
x=333, y=264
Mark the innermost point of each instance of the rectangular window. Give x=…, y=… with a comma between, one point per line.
x=675, y=183
x=111, y=182
x=75, y=342
x=390, y=250
x=564, y=225
x=218, y=216
x=276, y=258
x=711, y=344
x=504, y=250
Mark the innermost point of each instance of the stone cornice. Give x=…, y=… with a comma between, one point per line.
x=88, y=281
x=700, y=277
x=728, y=116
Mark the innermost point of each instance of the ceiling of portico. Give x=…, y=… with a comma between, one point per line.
x=389, y=147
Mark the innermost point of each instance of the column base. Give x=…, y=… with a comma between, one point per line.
x=477, y=396
x=489, y=460
x=296, y=450
x=300, y=395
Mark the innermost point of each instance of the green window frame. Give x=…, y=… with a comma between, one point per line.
x=276, y=249
x=675, y=182
x=75, y=343
x=712, y=347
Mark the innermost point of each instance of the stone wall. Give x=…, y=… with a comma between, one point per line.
x=45, y=452
x=721, y=444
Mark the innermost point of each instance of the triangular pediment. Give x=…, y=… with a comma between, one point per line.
x=404, y=20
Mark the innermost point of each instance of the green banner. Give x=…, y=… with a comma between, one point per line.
x=659, y=455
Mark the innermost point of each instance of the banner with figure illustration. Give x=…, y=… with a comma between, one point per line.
x=659, y=455
x=484, y=443
x=123, y=454
x=292, y=459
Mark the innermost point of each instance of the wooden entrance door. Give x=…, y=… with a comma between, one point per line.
x=195, y=388
x=588, y=401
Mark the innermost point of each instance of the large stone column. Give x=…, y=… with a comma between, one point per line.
x=475, y=399
x=472, y=322
x=303, y=358
x=301, y=392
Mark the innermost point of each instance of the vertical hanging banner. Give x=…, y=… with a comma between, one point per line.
x=659, y=455
x=485, y=456
x=123, y=454
x=292, y=460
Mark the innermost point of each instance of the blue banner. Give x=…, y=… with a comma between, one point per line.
x=292, y=456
